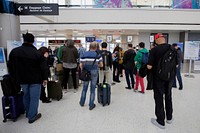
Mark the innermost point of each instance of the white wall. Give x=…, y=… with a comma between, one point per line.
x=144, y=37
x=142, y=19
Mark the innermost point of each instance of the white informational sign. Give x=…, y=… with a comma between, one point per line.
x=11, y=45
x=129, y=38
x=191, y=50
x=109, y=38
x=197, y=65
x=151, y=38
x=3, y=66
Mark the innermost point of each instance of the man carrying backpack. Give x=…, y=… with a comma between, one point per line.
x=129, y=65
x=105, y=71
x=140, y=59
x=162, y=85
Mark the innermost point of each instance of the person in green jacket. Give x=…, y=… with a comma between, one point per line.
x=138, y=62
x=59, y=54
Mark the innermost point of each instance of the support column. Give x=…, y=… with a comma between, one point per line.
x=9, y=24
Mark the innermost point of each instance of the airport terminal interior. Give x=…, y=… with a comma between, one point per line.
x=117, y=22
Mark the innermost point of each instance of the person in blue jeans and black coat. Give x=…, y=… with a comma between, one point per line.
x=86, y=62
x=28, y=67
x=178, y=70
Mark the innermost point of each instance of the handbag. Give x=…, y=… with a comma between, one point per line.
x=85, y=74
x=143, y=71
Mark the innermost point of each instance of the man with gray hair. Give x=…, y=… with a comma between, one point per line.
x=90, y=61
x=70, y=58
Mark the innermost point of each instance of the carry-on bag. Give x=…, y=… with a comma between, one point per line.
x=9, y=86
x=54, y=87
x=104, y=93
x=12, y=107
x=54, y=90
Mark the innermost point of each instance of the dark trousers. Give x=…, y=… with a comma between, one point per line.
x=43, y=96
x=121, y=67
x=129, y=74
x=66, y=77
x=149, y=81
x=178, y=75
x=115, y=68
x=162, y=88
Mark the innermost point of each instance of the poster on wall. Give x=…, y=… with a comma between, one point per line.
x=3, y=66
x=180, y=45
x=129, y=38
x=112, y=4
x=191, y=50
x=186, y=4
x=109, y=38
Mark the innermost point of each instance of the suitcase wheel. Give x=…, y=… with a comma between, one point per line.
x=14, y=120
x=4, y=120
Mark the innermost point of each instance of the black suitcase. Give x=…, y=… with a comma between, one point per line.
x=104, y=93
x=9, y=86
x=54, y=90
x=12, y=107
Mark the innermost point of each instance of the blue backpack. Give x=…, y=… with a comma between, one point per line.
x=145, y=57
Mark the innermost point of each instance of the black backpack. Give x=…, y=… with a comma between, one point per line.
x=9, y=86
x=166, y=68
x=106, y=63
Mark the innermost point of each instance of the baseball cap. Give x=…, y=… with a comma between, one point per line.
x=158, y=35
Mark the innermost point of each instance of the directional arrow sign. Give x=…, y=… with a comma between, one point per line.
x=37, y=9
x=20, y=9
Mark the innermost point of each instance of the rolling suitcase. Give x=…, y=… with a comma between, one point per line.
x=12, y=107
x=104, y=93
x=54, y=90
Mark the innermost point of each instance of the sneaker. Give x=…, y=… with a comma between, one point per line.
x=113, y=83
x=46, y=101
x=128, y=88
x=169, y=121
x=118, y=81
x=38, y=116
x=81, y=104
x=180, y=88
x=65, y=90
x=91, y=108
x=154, y=121
x=141, y=92
x=174, y=86
x=135, y=90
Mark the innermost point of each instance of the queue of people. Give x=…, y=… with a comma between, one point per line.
x=29, y=68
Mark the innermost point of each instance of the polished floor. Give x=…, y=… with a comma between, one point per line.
x=129, y=112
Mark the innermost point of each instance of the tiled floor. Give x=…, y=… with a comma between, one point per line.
x=129, y=112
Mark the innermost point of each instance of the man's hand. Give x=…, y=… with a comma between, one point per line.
x=149, y=66
x=45, y=83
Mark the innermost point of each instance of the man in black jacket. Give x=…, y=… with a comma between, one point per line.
x=161, y=87
x=128, y=62
x=28, y=67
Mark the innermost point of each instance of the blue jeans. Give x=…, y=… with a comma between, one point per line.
x=31, y=99
x=129, y=74
x=93, y=81
x=178, y=75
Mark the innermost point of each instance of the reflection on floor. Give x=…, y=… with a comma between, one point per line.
x=129, y=112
